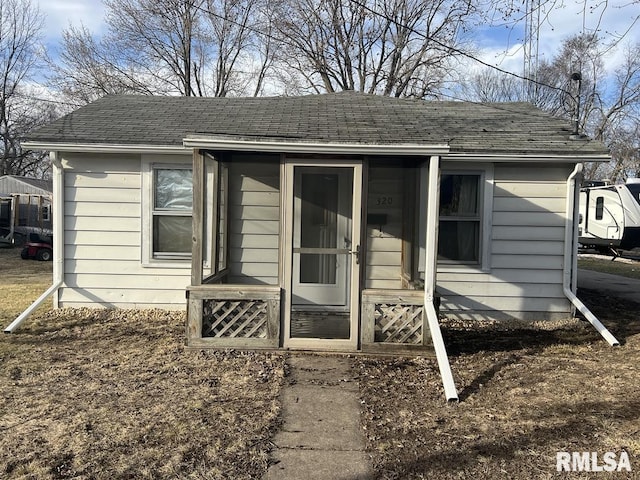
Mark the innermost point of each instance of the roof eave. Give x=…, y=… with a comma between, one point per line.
x=529, y=157
x=103, y=147
x=213, y=143
x=271, y=146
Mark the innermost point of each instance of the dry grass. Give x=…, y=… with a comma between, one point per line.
x=115, y=394
x=601, y=263
x=21, y=282
x=525, y=395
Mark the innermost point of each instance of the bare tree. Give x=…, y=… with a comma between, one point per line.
x=87, y=69
x=617, y=118
x=489, y=85
x=625, y=150
x=238, y=40
x=527, y=20
x=606, y=105
x=574, y=85
x=266, y=47
x=20, y=27
x=183, y=47
x=160, y=40
x=387, y=47
x=27, y=113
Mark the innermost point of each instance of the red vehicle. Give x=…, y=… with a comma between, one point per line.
x=40, y=248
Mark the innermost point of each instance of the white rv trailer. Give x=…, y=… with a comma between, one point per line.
x=610, y=216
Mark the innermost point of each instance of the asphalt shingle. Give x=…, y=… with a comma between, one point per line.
x=347, y=117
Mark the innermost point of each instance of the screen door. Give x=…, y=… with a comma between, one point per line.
x=322, y=237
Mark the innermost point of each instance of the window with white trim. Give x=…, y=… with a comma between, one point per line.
x=460, y=218
x=167, y=206
x=464, y=220
x=171, y=213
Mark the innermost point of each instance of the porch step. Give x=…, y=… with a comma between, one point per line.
x=321, y=437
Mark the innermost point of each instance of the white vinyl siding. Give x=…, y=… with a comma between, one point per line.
x=254, y=215
x=524, y=278
x=104, y=236
x=383, y=267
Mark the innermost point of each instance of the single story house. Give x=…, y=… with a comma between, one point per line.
x=25, y=207
x=339, y=221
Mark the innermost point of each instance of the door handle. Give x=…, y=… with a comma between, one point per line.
x=356, y=252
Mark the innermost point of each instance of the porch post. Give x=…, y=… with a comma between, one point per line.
x=431, y=249
x=198, y=213
x=431, y=238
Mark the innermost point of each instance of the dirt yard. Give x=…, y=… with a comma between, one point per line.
x=99, y=394
x=106, y=394
x=524, y=396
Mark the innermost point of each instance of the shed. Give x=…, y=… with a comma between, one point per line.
x=25, y=207
x=328, y=222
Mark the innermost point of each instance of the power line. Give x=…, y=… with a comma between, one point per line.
x=439, y=43
x=407, y=27
x=413, y=30
x=459, y=51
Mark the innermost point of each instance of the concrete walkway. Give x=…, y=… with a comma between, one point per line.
x=321, y=437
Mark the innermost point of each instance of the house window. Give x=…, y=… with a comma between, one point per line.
x=171, y=213
x=460, y=221
x=464, y=223
x=599, y=208
x=46, y=213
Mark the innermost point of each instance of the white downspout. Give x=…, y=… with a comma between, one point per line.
x=58, y=243
x=570, y=260
x=431, y=248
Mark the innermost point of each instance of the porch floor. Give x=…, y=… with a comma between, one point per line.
x=325, y=325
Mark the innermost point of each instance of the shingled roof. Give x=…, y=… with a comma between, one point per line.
x=347, y=117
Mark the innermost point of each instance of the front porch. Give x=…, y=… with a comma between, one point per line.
x=249, y=316
x=322, y=252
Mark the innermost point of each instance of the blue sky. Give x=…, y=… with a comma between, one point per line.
x=59, y=14
x=497, y=45
x=610, y=19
